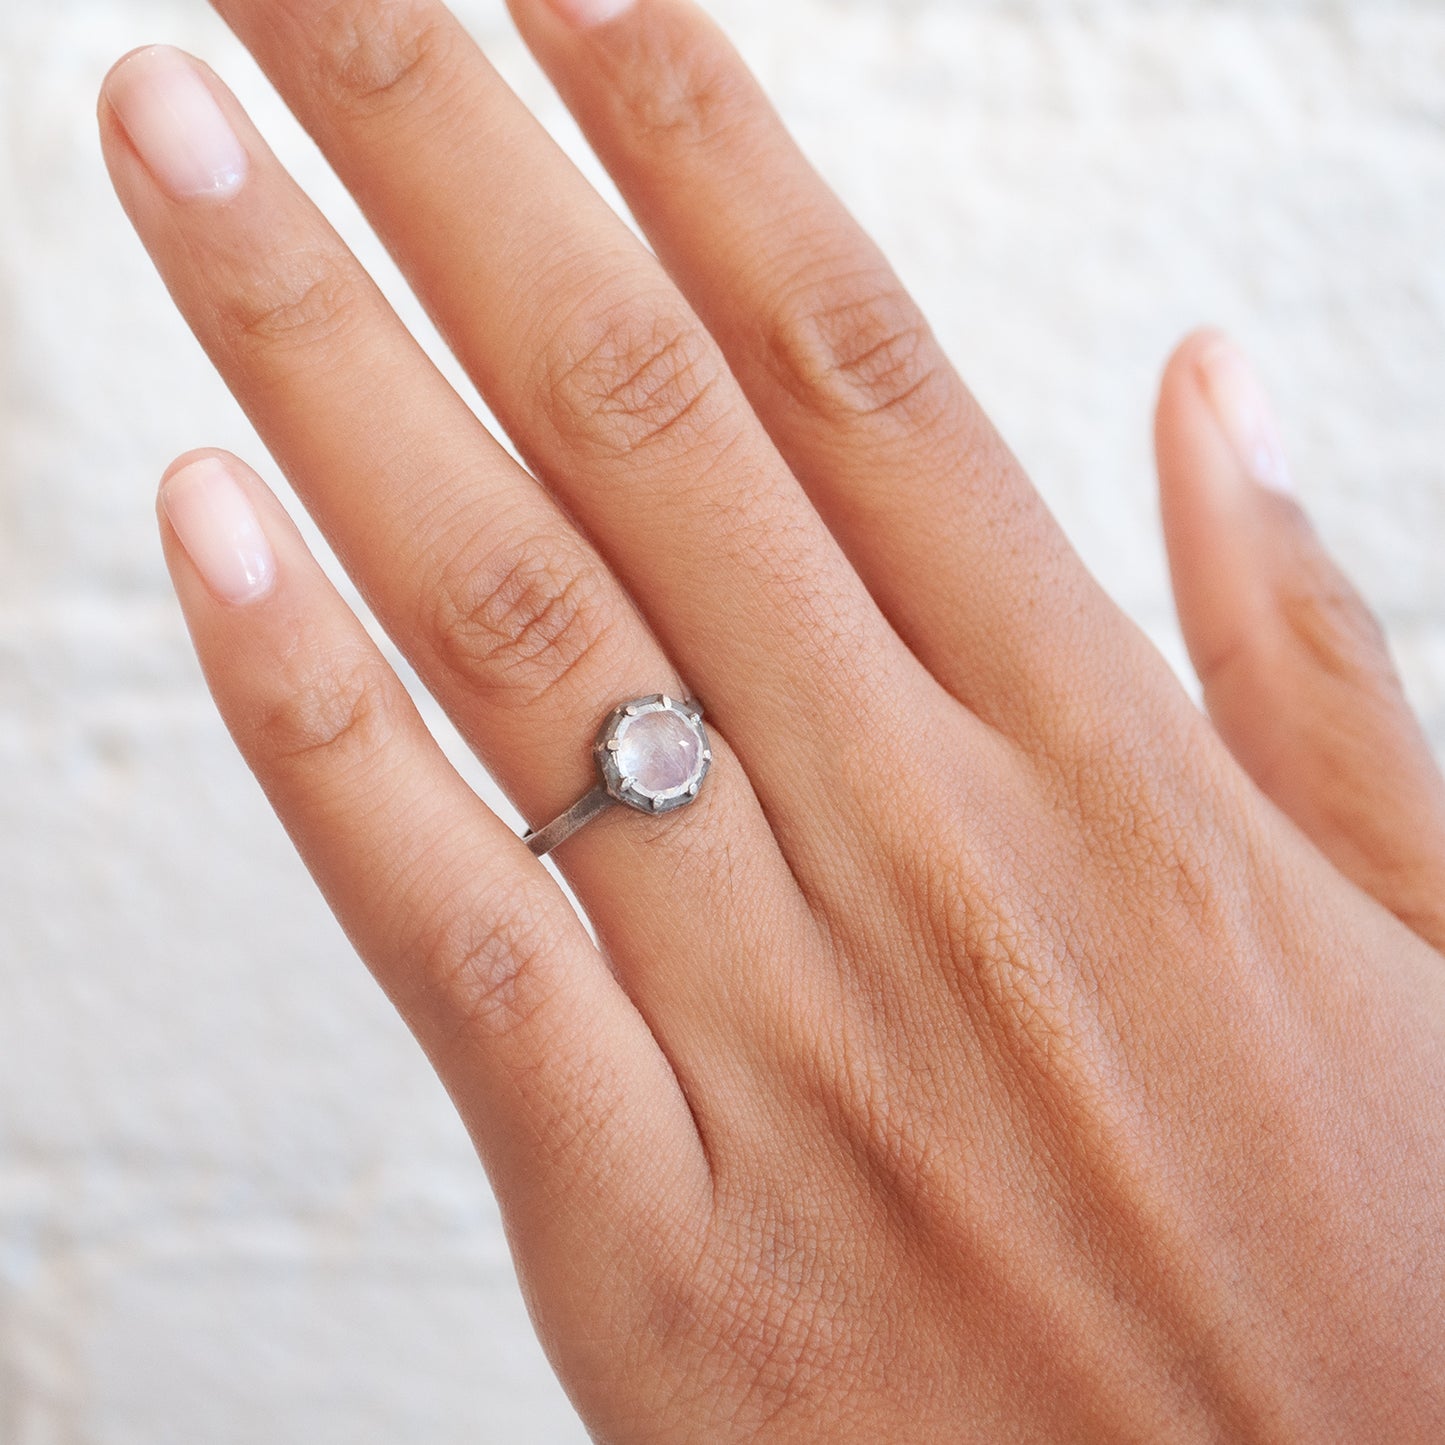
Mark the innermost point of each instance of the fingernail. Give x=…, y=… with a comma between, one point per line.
x=584, y=14
x=220, y=531
x=1245, y=416
x=176, y=125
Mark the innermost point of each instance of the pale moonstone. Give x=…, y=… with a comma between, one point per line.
x=659, y=751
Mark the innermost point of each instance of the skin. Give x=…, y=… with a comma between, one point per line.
x=1079, y=1079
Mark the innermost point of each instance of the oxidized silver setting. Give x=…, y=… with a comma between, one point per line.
x=611, y=747
x=652, y=754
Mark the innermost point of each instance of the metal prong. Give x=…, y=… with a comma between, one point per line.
x=613, y=744
x=692, y=791
x=707, y=754
x=656, y=804
x=666, y=701
x=630, y=711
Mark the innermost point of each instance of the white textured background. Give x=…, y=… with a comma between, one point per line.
x=234, y=1204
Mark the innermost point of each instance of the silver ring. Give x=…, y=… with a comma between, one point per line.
x=652, y=754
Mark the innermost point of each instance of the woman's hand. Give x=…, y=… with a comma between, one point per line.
x=987, y=1053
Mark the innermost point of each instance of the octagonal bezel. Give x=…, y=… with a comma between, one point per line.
x=629, y=790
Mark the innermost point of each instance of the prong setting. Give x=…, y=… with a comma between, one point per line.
x=653, y=753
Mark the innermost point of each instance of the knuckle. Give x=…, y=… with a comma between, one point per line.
x=1333, y=623
x=298, y=307
x=634, y=380
x=856, y=348
x=378, y=55
x=1035, y=993
x=1022, y=970
x=493, y=961
x=344, y=710
x=686, y=90
x=526, y=622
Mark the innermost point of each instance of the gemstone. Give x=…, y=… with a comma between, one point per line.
x=660, y=751
x=653, y=754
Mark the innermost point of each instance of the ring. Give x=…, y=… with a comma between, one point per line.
x=652, y=755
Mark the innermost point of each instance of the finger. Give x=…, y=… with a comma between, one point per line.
x=581, y=1124
x=835, y=356
x=602, y=375
x=1296, y=671
x=508, y=615
x=512, y=621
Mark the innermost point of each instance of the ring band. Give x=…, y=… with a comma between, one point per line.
x=652, y=754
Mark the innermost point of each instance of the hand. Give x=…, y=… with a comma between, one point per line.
x=996, y=1049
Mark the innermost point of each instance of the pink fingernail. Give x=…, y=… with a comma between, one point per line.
x=176, y=124
x=220, y=530
x=1245, y=416
x=584, y=14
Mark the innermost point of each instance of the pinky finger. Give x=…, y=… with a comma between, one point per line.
x=578, y=1117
